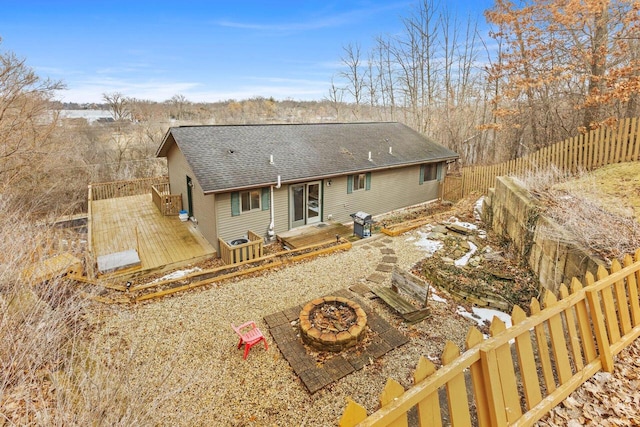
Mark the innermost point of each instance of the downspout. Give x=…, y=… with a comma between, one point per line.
x=271, y=232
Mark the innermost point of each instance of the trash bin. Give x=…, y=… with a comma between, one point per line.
x=362, y=224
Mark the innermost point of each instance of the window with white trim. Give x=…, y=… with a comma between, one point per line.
x=250, y=200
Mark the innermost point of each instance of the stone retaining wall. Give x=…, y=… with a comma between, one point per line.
x=551, y=252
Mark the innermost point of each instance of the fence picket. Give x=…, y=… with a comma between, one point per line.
x=392, y=391
x=491, y=379
x=610, y=309
x=526, y=361
x=584, y=324
x=456, y=389
x=352, y=414
x=622, y=302
x=598, y=320
x=429, y=408
x=572, y=332
x=635, y=138
x=633, y=293
x=474, y=338
x=558, y=342
x=543, y=350
x=507, y=374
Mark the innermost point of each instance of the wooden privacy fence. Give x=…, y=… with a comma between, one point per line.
x=520, y=373
x=167, y=203
x=452, y=187
x=113, y=189
x=243, y=252
x=599, y=147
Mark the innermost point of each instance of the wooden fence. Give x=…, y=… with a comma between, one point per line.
x=244, y=252
x=557, y=349
x=113, y=189
x=599, y=147
x=167, y=203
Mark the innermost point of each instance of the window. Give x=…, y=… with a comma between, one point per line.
x=428, y=172
x=250, y=200
x=359, y=181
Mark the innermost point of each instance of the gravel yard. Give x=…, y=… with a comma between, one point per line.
x=178, y=360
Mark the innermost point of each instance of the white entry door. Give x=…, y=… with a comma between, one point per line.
x=305, y=203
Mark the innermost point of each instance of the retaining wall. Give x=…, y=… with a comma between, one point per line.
x=551, y=252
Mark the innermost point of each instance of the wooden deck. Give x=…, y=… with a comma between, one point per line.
x=314, y=235
x=134, y=222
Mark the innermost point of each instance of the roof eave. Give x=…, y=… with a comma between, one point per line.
x=164, y=146
x=333, y=175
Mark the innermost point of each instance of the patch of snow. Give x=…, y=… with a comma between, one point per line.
x=176, y=274
x=434, y=296
x=428, y=245
x=410, y=239
x=480, y=315
x=477, y=208
x=465, y=259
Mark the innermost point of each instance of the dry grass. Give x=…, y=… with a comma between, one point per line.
x=601, y=209
x=51, y=370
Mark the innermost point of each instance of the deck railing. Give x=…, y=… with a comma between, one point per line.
x=113, y=189
x=167, y=203
x=557, y=349
x=600, y=147
x=244, y=252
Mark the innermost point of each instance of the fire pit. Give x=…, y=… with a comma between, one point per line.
x=332, y=323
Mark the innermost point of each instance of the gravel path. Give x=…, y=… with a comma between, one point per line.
x=179, y=362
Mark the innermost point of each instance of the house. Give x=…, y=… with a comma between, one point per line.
x=272, y=178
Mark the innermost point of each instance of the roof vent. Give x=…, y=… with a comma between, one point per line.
x=370, y=156
x=271, y=159
x=390, y=150
x=230, y=151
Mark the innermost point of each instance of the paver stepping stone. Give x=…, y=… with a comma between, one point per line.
x=387, y=251
x=390, y=259
x=377, y=277
x=385, y=268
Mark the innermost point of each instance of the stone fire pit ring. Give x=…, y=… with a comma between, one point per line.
x=325, y=339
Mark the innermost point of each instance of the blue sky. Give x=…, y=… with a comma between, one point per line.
x=204, y=50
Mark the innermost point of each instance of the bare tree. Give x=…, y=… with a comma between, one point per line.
x=335, y=98
x=118, y=105
x=179, y=103
x=26, y=120
x=354, y=75
x=386, y=76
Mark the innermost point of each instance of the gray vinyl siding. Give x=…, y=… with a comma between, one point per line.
x=179, y=168
x=203, y=206
x=390, y=189
x=204, y=210
x=281, y=206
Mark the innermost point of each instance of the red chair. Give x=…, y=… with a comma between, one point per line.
x=249, y=335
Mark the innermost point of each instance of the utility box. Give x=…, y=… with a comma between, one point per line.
x=362, y=224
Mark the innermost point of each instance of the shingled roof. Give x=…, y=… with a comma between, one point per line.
x=232, y=157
